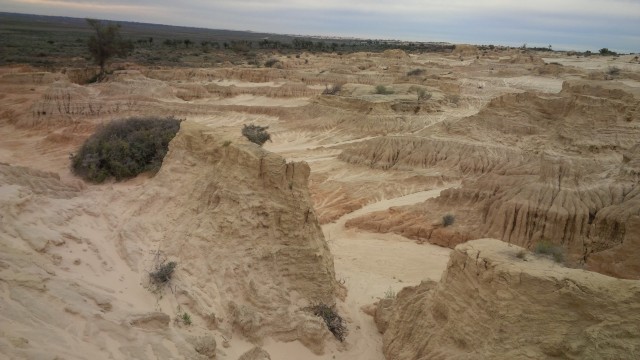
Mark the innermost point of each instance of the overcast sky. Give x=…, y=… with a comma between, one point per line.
x=564, y=24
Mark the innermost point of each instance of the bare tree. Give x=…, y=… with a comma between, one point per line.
x=106, y=43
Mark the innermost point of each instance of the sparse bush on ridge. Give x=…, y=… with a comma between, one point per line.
x=415, y=72
x=421, y=93
x=106, y=43
x=335, y=323
x=125, y=148
x=547, y=248
x=607, y=52
x=389, y=294
x=613, y=70
x=333, y=90
x=448, y=219
x=382, y=90
x=182, y=317
x=271, y=62
x=256, y=134
x=454, y=99
x=163, y=273
x=186, y=318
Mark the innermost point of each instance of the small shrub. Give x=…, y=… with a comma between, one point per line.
x=448, y=219
x=421, y=93
x=454, y=99
x=182, y=317
x=415, y=72
x=389, y=294
x=607, y=52
x=613, y=70
x=271, y=62
x=521, y=254
x=125, y=148
x=186, y=318
x=548, y=248
x=333, y=90
x=226, y=143
x=335, y=323
x=163, y=273
x=382, y=90
x=94, y=79
x=256, y=134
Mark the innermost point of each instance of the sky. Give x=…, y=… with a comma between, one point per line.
x=563, y=24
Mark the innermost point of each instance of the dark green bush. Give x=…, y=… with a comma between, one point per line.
x=448, y=219
x=256, y=134
x=125, y=148
x=335, y=323
x=383, y=90
x=607, y=52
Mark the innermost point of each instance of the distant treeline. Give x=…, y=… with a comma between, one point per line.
x=301, y=44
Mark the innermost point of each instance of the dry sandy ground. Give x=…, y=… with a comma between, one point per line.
x=371, y=265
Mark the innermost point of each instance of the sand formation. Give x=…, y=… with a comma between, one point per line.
x=493, y=303
x=343, y=206
x=251, y=278
x=562, y=171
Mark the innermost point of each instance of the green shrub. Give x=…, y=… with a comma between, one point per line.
x=389, y=294
x=448, y=219
x=162, y=273
x=186, y=318
x=548, y=248
x=271, y=62
x=256, y=134
x=607, y=52
x=125, y=148
x=382, y=90
x=333, y=90
x=415, y=72
x=335, y=323
x=421, y=93
x=454, y=99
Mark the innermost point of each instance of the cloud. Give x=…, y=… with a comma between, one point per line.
x=584, y=23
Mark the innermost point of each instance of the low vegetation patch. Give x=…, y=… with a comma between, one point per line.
x=607, y=52
x=332, y=90
x=383, y=90
x=271, y=62
x=415, y=72
x=125, y=148
x=163, y=273
x=256, y=134
x=183, y=317
x=421, y=93
x=448, y=219
x=335, y=323
x=186, y=318
x=613, y=70
x=389, y=294
x=547, y=248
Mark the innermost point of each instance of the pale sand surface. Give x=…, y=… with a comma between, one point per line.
x=369, y=264
x=251, y=100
